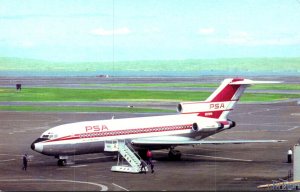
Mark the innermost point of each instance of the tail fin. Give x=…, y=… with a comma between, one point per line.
x=222, y=101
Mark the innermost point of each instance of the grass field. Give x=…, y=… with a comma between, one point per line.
x=63, y=94
x=200, y=85
x=82, y=109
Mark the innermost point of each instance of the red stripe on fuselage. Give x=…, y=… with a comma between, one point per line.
x=123, y=132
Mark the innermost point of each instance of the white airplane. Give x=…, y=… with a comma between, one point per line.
x=195, y=121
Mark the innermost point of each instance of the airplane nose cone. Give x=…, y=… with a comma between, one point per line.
x=32, y=146
x=37, y=146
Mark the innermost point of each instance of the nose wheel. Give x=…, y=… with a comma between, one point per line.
x=62, y=162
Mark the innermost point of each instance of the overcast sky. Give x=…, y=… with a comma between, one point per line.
x=97, y=30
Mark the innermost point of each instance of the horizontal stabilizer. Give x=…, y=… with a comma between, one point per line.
x=251, y=82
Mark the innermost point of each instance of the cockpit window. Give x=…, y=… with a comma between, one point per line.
x=50, y=136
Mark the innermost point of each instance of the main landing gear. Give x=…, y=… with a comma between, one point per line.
x=143, y=154
x=174, y=154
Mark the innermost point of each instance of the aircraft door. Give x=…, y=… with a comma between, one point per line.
x=111, y=145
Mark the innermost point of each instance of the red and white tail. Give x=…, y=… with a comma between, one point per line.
x=222, y=101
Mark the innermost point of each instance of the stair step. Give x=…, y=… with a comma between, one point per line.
x=130, y=157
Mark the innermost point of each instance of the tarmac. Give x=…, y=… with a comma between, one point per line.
x=229, y=167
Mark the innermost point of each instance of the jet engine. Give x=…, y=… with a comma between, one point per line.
x=192, y=107
x=228, y=124
x=208, y=126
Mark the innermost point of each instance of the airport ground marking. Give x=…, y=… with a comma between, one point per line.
x=5, y=154
x=103, y=187
x=293, y=128
x=295, y=114
x=120, y=187
x=7, y=160
x=77, y=166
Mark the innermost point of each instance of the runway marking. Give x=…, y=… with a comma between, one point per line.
x=103, y=187
x=19, y=131
x=75, y=166
x=293, y=128
x=295, y=114
x=120, y=187
x=11, y=155
x=7, y=160
x=215, y=157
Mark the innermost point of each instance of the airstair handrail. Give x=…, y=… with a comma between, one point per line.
x=131, y=148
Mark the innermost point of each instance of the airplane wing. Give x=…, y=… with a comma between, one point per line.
x=179, y=140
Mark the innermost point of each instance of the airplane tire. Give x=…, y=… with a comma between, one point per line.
x=62, y=162
x=143, y=154
x=174, y=155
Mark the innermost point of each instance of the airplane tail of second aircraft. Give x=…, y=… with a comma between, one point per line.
x=222, y=101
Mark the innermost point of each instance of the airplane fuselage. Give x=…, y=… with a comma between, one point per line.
x=90, y=136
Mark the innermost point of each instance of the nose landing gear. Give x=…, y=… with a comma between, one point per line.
x=62, y=160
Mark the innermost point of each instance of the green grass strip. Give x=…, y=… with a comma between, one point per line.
x=276, y=87
x=198, y=85
x=207, y=85
x=63, y=94
x=93, y=95
x=83, y=109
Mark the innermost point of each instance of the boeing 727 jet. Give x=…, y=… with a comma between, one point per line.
x=194, y=122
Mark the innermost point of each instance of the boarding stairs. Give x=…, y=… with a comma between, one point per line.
x=128, y=153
